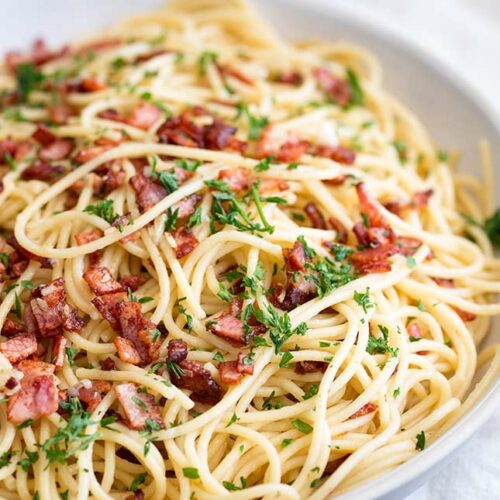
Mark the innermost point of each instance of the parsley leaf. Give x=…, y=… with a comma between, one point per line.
x=28, y=78
x=420, y=441
x=381, y=345
x=302, y=426
x=256, y=124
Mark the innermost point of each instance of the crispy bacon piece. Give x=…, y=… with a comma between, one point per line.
x=238, y=179
x=342, y=233
x=226, y=70
x=43, y=135
x=186, y=242
x=229, y=328
x=177, y=350
x=198, y=380
x=42, y=171
x=374, y=260
x=132, y=281
x=368, y=207
x=144, y=116
x=292, y=150
x=91, y=396
x=407, y=245
x=295, y=257
x=11, y=328
x=289, y=78
x=304, y=367
x=364, y=410
x=57, y=150
x=87, y=154
x=107, y=177
x=336, y=88
x=107, y=306
x=58, y=351
x=85, y=85
x=60, y=113
x=315, y=216
x=270, y=185
x=101, y=281
x=421, y=198
x=219, y=136
x=229, y=374
x=340, y=154
x=444, y=282
x=40, y=54
x=413, y=330
x=127, y=351
x=464, y=315
x=97, y=45
x=18, y=348
x=149, y=55
x=108, y=364
x=38, y=394
x=148, y=192
x=244, y=364
x=186, y=206
x=135, y=415
x=88, y=236
x=13, y=149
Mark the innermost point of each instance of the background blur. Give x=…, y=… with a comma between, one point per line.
x=463, y=35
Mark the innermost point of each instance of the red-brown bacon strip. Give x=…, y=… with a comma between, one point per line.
x=315, y=216
x=148, y=192
x=40, y=54
x=228, y=327
x=18, y=348
x=340, y=154
x=238, y=179
x=364, y=410
x=101, y=281
x=42, y=171
x=336, y=88
x=138, y=407
x=185, y=241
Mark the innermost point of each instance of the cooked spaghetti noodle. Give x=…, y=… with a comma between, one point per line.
x=231, y=266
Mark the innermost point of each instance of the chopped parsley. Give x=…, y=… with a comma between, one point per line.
x=286, y=442
x=357, y=96
x=286, y=358
x=492, y=228
x=302, y=426
x=31, y=458
x=191, y=472
x=5, y=458
x=312, y=391
x=105, y=210
x=224, y=294
x=168, y=180
x=138, y=480
x=420, y=445
x=364, y=300
x=28, y=78
x=232, y=487
x=256, y=124
x=264, y=164
x=233, y=420
x=175, y=369
x=380, y=345
x=206, y=57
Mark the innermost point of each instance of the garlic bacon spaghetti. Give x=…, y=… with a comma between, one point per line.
x=231, y=266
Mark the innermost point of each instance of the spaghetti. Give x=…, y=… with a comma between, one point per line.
x=231, y=266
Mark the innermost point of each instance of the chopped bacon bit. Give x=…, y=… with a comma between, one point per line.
x=57, y=150
x=364, y=410
x=88, y=236
x=414, y=330
x=228, y=327
x=236, y=306
x=369, y=208
x=271, y=185
x=38, y=394
x=421, y=199
x=186, y=206
x=58, y=351
x=177, y=350
x=87, y=154
x=195, y=378
x=14, y=149
x=101, y=281
x=219, y=136
x=87, y=85
x=148, y=192
x=43, y=135
x=229, y=373
x=292, y=150
x=126, y=351
x=339, y=228
x=11, y=328
x=289, y=78
x=42, y=171
x=394, y=207
x=238, y=179
x=40, y=54
x=407, y=245
x=185, y=241
x=315, y=216
x=295, y=257
x=340, y=154
x=107, y=306
x=92, y=396
x=304, y=367
x=136, y=416
x=298, y=291
x=226, y=70
x=144, y=116
x=108, y=364
x=137, y=495
x=60, y=113
x=337, y=88
x=107, y=43
x=336, y=181
x=374, y=260
x=132, y=281
x=244, y=364
x=464, y=315
x=18, y=348
x=149, y=55
x=444, y=282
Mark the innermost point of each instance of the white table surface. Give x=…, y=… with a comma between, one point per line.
x=463, y=34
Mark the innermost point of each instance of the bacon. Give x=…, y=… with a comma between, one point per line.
x=40, y=54
x=135, y=415
x=186, y=206
x=339, y=228
x=18, y=348
x=315, y=216
x=340, y=154
x=289, y=78
x=444, y=282
x=132, y=282
x=13, y=149
x=226, y=70
x=229, y=328
x=413, y=330
x=88, y=236
x=369, y=208
x=144, y=116
x=272, y=185
x=150, y=55
x=364, y=410
x=57, y=150
x=185, y=241
x=374, y=260
x=97, y=45
x=407, y=245
x=295, y=257
x=148, y=192
x=421, y=198
x=127, y=351
x=238, y=179
x=43, y=135
x=300, y=289
x=58, y=351
x=101, y=281
x=336, y=88
x=198, y=380
x=107, y=306
x=60, y=113
x=92, y=396
x=108, y=364
x=464, y=315
x=38, y=394
x=177, y=350
x=304, y=367
x=229, y=373
x=11, y=328
x=244, y=364
x=292, y=150
x=86, y=85
x=42, y=171
x=87, y=154
x=219, y=136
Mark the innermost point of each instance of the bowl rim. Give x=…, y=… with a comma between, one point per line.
x=399, y=477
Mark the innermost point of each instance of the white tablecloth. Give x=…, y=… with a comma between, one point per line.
x=464, y=34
